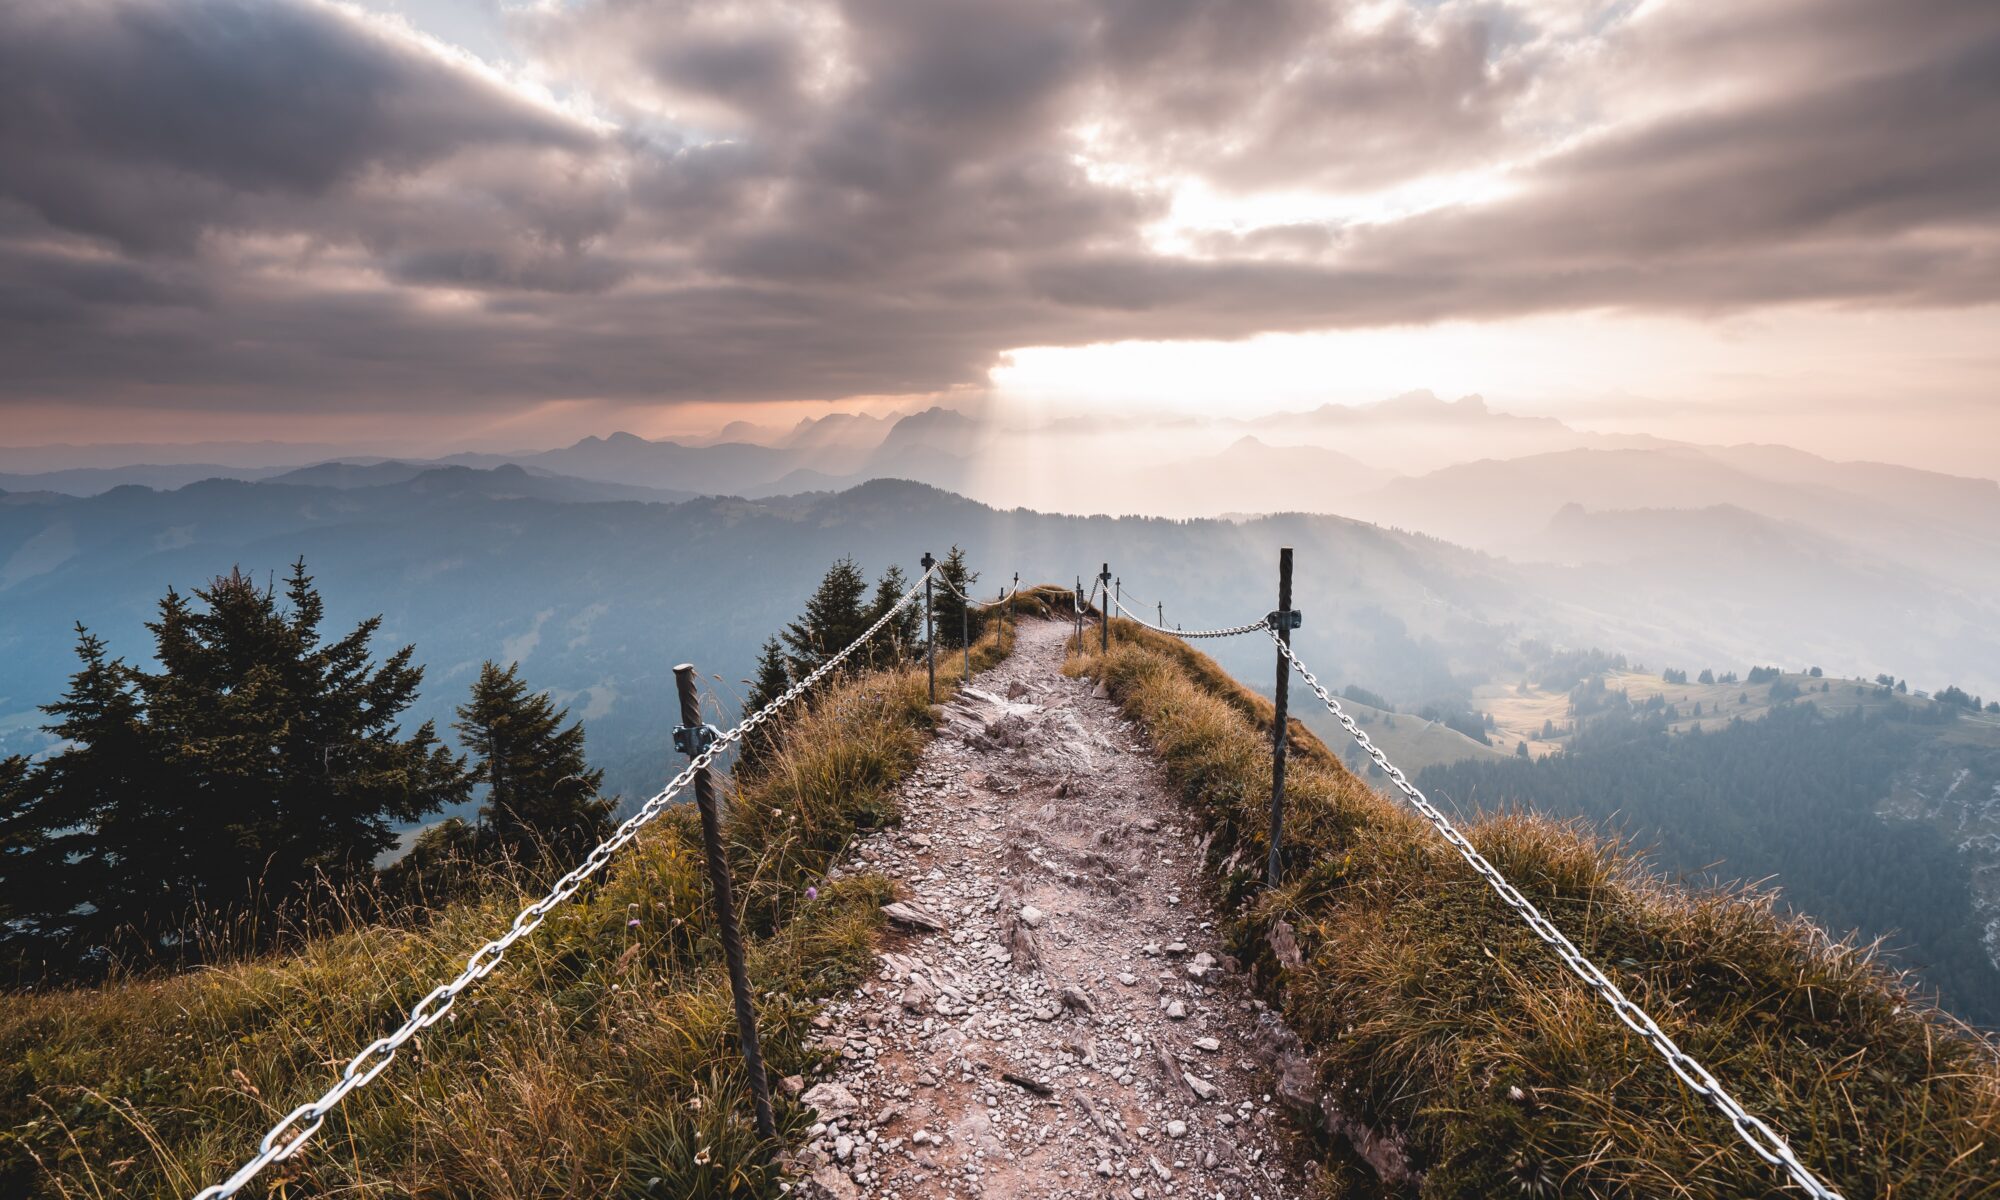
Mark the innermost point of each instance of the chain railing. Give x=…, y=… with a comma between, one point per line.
x=1232, y=631
x=1004, y=598
x=292, y=1131
x=1755, y=1132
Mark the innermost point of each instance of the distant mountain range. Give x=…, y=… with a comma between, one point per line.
x=595, y=593
x=1657, y=548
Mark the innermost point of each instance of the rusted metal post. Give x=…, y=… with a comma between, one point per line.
x=692, y=738
x=1104, y=622
x=930, y=630
x=1282, y=623
x=965, y=637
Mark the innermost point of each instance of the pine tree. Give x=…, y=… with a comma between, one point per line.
x=900, y=638
x=774, y=675
x=950, y=610
x=541, y=793
x=834, y=617
x=257, y=760
x=88, y=851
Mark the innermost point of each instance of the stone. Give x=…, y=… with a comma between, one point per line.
x=1127, y=978
x=794, y=1085
x=1176, y=1129
x=1016, y=690
x=912, y=917
x=1076, y=999
x=1207, y=1043
x=843, y=1147
x=832, y=1101
x=1201, y=1087
x=1176, y=1011
x=919, y=995
x=1032, y=917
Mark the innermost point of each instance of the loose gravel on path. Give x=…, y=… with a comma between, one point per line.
x=1053, y=1014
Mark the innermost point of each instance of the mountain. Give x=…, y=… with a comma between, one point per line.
x=1417, y=432
x=1940, y=526
x=233, y=455
x=593, y=597
x=842, y=432
x=341, y=474
x=1252, y=476
x=89, y=481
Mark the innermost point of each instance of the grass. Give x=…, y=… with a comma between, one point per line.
x=1433, y=1014
x=597, y=1060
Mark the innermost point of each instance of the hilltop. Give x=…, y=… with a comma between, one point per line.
x=1413, y=1035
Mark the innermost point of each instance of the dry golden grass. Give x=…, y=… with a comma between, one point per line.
x=598, y=1060
x=1434, y=1012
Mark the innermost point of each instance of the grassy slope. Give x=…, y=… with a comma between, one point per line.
x=596, y=1060
x=1433, y=1012
x=1411, y=742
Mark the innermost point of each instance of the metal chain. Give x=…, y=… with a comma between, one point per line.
x=1234, y=631
x=1760, y=1137
x=285, y=1138
x=946, y=581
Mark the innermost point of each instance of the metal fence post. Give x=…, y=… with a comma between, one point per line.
x=692, y=738
x=1160, y=609
x=1104, y=622
x=1282, y=623
x=965, y=636
x=930, y=630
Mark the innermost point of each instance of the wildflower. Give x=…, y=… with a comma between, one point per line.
x=632, y=924
x=701, y=1158
x=812, y=893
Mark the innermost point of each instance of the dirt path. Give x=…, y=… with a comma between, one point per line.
x=1070, y=1026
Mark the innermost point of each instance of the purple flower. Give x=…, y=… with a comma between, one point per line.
x=812, y=893
x=632, y=924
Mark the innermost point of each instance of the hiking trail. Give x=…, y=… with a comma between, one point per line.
x=1053, y=1014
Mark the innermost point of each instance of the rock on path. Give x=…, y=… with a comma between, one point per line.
x=1073, y=1029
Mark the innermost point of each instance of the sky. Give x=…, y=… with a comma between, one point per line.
x=487, y=224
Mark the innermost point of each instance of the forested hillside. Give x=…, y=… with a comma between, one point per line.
x=1791, y=800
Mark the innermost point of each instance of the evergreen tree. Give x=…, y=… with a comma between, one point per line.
x=541, y=792
x=256, y=760
x=900, y=638
x=835, y=615
x=950, y=610
x=88, y=851
x=774, y=675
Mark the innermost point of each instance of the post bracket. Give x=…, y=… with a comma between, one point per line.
x=1284, y=619
x=695, y=739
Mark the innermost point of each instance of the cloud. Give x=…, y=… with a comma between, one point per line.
x=285, y=204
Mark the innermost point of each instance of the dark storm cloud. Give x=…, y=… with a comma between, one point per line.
x=148, y=121
x=275, y=203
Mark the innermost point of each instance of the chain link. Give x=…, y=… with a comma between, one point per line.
x=1233, y=631
x=1758, y=1135
x=946, y=581
x=285, y=1138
